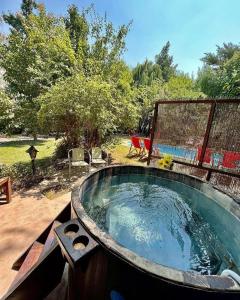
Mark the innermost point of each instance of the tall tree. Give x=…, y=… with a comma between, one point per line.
x=220, y=75
x=165, y=61
x=181, y=86
x=77, y=25
x=146, y=73
x=6, y=106
x=230, y=76
x=90, y=107
x=222, y=55
x=34, y=59
x=15, y=21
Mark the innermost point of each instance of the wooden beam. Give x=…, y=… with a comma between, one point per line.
x=29, y=262
x=39, y=281
x=198, y=101
x=154, y=121
x=62, y=217
x=207, y=133
x=221, y=171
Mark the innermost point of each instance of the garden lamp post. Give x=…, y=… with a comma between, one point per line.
x=32, y=151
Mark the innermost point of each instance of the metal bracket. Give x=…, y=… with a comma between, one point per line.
x=74, y=241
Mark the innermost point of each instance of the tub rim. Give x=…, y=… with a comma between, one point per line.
x=176, y=276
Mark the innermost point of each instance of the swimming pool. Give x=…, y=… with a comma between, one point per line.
x=177, y=151
x=180, y=152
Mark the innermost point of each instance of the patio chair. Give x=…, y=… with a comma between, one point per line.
x=146, y=149
x=136, y=148
x=97, y=156
x=77, y=159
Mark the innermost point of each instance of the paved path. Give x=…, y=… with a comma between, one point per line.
x=21, y=222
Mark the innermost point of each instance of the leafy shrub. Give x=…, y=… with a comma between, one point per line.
x=21, y=173
x=61, y=150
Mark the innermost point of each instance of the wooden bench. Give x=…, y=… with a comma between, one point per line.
x=5, y=187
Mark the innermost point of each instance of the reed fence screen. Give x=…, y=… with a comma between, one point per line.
x=203, y=134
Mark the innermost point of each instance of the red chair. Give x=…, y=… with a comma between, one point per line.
x=136, y=146
x=147, y=143
x=231, y=159
x=146, y=149
x=207, y=156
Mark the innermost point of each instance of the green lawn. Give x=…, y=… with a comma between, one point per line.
x=119, y=153
x=13, y=152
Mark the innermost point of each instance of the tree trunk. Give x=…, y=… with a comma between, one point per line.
x=34, y=137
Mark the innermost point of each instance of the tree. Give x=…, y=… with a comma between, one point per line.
x=230, y=76
x=146, y=73
x=181, y=87
x=223, y=54
x=15, y=21
x=146, y=96
x=220, y=76
x=165, y=61
x=162, y=70
x=6, y=106
x=34, y=60
x=78, y=27
x=90, y=107
x=208, y=82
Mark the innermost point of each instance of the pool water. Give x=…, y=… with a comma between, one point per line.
x=164, y=221
x=177, y=151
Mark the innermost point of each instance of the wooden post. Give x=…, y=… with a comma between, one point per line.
x=152, y=132
x=9, y=190
x=207, y=133
x=33, y=167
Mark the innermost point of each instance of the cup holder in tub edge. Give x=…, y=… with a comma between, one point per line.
x=74, y=241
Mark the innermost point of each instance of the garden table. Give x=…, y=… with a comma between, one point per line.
x=5, y=187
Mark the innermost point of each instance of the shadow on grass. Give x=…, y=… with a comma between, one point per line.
x=23, y=143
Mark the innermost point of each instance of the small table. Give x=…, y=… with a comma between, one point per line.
x=5, y=185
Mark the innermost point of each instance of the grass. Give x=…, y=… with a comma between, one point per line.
x=14, y=152
x=119, y=153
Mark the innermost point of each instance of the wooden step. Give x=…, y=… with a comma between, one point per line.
x=29, y=262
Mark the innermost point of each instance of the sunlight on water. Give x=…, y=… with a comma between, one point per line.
x=156, y=219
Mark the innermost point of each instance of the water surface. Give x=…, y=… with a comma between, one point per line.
x=162, y=220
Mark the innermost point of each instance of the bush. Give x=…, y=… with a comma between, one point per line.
x=62, y=149
x=21, y=173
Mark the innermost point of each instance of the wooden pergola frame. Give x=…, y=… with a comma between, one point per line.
x=212, y=103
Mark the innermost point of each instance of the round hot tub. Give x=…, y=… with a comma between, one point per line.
x=159, y=233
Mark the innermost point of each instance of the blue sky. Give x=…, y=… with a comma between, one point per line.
x=192, y=26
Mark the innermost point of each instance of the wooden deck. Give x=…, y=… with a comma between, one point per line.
x=21, y=222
